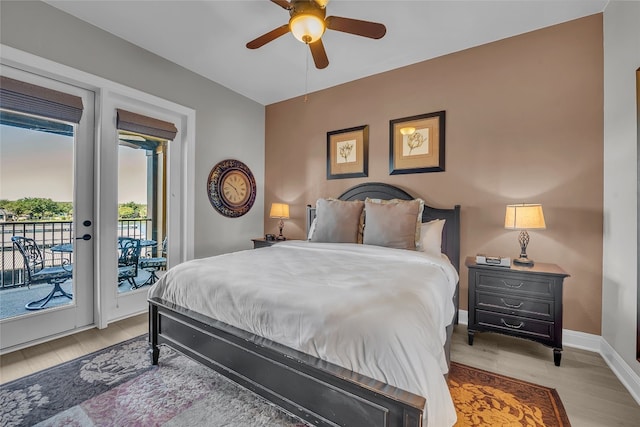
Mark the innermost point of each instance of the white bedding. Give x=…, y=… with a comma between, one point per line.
x=377, y=311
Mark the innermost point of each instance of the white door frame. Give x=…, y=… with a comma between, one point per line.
x=36, y=325
x=180, y=201
x=120, y=305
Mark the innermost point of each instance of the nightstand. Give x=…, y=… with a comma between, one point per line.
x=523, y=302
x=263, y=243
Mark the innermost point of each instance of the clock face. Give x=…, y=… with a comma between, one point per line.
x=231, y=188
x=235, y=188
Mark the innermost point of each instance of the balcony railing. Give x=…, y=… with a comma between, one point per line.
x=47, y=234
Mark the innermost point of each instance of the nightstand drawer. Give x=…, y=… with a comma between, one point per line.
x=516, y=305
x=537, y=285
x=524, y=302
x=515, y=325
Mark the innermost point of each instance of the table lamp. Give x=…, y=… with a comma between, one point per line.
x=280, y=211
x=524, y=217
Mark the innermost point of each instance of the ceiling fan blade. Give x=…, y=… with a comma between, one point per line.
x=319, y=54
x=373, y=30
x=270, y=36
x=283, y=4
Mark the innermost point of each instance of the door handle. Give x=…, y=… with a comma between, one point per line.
x=84, y=237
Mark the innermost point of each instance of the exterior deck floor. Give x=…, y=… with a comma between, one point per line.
x=13, y=300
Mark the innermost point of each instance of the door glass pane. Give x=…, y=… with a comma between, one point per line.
x=36, y=213
x=141, y=210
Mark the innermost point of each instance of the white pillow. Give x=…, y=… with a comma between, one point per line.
x=431, y=237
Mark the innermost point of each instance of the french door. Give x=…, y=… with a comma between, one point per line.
x=45, y=159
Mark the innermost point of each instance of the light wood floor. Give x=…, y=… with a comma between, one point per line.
x=32, y=359
x=590, y=392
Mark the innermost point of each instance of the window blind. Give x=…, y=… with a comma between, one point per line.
x=16, y=95
x=144, y=125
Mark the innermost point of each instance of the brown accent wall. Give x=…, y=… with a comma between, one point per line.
x=524, y=124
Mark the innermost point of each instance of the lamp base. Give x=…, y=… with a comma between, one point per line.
x=280, y=227
x=523, y=239
x=523, y=261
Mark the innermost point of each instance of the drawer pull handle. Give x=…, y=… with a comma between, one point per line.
x=511, y=305
x=508, y=325
x=509, y=285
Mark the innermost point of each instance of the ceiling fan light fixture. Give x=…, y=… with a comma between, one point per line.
x=407, y=130
x=306, y=27
x=308, y=21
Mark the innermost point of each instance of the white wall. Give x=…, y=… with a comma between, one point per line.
x=620, y=261
x=228, y=125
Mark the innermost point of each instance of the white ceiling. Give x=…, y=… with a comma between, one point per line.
x=209, y=37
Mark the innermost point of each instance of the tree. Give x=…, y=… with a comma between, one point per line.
x=129, y=210
x=36, y=207
x=65, y=208
x=42, y=209
x=8, y=205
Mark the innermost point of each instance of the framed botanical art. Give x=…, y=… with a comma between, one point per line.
x=348, y=152
x=416, y=144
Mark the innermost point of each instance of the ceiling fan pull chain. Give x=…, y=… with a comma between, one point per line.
x=306, y=78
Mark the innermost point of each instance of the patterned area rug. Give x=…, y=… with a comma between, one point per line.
x=118, y=386
x=483, y=398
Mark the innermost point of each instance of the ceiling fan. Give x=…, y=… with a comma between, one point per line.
x=308, y=24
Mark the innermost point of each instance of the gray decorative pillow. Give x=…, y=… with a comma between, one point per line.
x=337, y=221
x=392, y=224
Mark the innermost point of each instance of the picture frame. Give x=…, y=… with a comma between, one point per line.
x=417, y=144
x=348, y=153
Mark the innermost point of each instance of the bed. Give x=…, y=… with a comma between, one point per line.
x=309, y=382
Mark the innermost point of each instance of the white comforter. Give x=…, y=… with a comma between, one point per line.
x=377, y=311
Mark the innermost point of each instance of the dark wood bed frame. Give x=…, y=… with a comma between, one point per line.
x=319, y=392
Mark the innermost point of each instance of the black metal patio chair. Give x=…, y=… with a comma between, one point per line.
x=128, y=256
x=36, y=272
x=154, y=264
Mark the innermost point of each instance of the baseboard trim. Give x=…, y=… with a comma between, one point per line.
x=621, y=369
x=463, y=317
x=596, y=344
x=581, y=340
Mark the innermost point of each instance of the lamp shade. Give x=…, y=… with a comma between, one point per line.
x=279, y=210
x=307, y=27
x=524, y=217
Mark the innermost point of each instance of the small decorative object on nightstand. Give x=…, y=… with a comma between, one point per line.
x=280, y=211
x=263, y=243
x=523, y=302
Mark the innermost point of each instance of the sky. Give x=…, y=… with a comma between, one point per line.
x=39, y=164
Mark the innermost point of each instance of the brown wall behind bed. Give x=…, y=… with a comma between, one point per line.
x=524, y=124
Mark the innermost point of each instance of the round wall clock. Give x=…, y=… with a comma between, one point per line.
x=231, y=188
